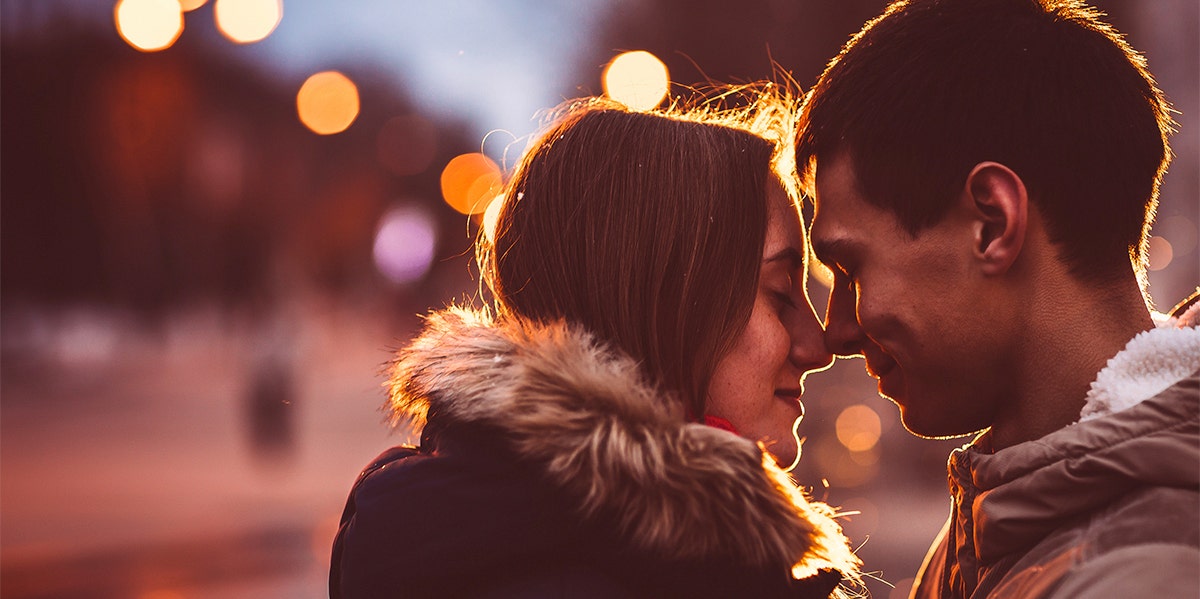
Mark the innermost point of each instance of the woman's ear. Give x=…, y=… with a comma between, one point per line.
x=999, y=205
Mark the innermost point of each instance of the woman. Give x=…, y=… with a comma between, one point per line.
x=648, y=277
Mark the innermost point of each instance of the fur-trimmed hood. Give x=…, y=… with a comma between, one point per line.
x=581, y=415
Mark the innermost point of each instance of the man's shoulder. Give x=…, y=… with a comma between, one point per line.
x=1148, y=515
x=1142, y=570
x=1149, y=536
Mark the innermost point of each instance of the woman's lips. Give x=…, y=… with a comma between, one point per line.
x=789, y=395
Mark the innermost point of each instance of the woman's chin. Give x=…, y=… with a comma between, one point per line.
x=784, y=451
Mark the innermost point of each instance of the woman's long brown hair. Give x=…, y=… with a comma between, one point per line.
x=645, y=228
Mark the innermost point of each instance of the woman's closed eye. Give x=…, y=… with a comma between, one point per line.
x=785, y=298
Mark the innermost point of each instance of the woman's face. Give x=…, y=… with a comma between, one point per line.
x=756, y=386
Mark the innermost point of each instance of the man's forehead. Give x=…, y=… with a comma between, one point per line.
x=834, y=179
x=840, y=216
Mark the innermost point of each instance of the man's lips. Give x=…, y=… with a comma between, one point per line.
x=878, y=365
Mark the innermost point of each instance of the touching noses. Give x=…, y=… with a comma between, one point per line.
x=843, y=334
x=808, y=344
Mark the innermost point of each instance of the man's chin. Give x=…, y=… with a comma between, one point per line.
x=891, y=387
x=919, y=420
x=934, y=426
x=917, y=426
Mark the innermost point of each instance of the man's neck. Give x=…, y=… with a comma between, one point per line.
x=1066, y=345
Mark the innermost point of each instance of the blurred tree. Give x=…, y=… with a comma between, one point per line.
x=154, y=180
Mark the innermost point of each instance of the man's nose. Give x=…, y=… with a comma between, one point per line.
x=843, y=334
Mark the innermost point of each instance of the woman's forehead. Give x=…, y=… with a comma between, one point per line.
x=783, y=219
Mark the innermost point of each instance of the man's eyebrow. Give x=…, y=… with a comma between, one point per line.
x=792, y=255
x=830, y=250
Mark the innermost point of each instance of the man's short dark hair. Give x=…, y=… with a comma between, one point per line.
x=931, y=88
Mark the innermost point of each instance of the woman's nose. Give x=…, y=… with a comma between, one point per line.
x=808, y=351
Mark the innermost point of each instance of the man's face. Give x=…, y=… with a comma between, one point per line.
x=915, y=308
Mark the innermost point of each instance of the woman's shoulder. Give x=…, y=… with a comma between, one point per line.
x=440, y=524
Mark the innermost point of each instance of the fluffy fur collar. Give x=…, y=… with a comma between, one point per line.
x=581, y=413
x=1150, y=363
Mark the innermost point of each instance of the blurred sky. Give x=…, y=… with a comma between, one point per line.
x=497, y=63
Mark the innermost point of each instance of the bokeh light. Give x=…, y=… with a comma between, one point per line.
x=247, y=21
x=149, y=25
x=637, y=79
x=491, y=216
x=406, y=144
x=190, y=5
x=867, y=457
x=1161, y=253
x=1181, y=231
x=404, y=244
x=470, y=182
x=327, y=102
x=858, y=428
x=842, y=467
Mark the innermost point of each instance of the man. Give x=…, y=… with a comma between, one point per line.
x=985, y=174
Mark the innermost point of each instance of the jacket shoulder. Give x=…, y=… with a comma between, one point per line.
x=1145, y=540
x=388, y=457
x=1147, y=570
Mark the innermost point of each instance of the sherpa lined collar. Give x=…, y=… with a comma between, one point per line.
x=1151, y=362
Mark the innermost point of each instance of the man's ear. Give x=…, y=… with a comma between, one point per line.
x=999, y=205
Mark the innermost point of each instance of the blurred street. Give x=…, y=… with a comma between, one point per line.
x=129, y=467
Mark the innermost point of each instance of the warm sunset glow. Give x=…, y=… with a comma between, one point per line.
x=247, y=21
x=636, y=79
x=149, y=25
x=162, y=594
x=858, y=428
x=1181, y=231
x=1161, y=253
x=469, y=182
x=327, y=102
x=190, y=5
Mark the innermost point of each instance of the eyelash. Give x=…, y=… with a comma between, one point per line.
x=786, y=298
